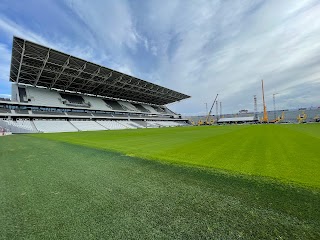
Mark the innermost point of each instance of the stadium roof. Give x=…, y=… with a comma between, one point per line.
x=37, y=65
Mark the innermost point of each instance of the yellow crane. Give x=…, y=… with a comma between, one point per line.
x=302, y=117
x=265, y=114
x=278, y=119
x=282, y=117
x=208, y=121
x=192, y=122
x=200, y=122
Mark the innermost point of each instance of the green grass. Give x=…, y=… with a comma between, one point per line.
x=289, y=153
x=56, y=190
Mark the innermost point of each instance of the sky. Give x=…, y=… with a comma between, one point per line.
x=197, y=47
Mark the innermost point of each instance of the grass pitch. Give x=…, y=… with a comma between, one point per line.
x=289, y=153
x=93, y=186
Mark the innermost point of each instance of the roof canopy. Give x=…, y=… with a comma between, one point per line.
x=37, y=65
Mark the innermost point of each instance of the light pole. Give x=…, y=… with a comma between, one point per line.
x=274, y=106
x=206, y=108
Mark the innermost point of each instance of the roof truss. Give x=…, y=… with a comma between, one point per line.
x=37, y=65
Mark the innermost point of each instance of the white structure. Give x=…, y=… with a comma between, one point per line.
x=19, y=126
x=51, y=126
x=167, y=123
x=127, y=124
x=88, y=125
x=55, y=92
x=152, y=124
x=128, y=106
x=112, y=125
x=236, y=120
x=151, y=109
x=46, y=126
x=131, y=124
x=97, y=103
x=40, y=96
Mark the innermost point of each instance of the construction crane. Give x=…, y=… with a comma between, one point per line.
x=265, y=114
x=274, y=106
x=192, y=122
x=278, y=119
x=302, y=117
x=208, y=116
x=282, y=117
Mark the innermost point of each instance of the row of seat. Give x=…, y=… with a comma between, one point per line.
x=53, y=98
x=33, y=126
x=19, y=126
x=39, y=112
x=156, y=124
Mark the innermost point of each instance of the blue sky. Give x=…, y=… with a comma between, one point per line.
x=197, y=47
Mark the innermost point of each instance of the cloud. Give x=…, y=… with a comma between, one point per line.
x=75, y=47
x=200, y=48
x=109, y=22
x=10, y=28
x=228, y=48
x=4, y=69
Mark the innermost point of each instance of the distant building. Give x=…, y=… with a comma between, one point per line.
x=243, y=111
x=237, y=120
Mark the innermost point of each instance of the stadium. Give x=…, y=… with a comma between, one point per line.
x=56, y=92
x=65, y=175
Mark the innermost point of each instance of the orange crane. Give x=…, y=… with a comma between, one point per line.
x=265, y=114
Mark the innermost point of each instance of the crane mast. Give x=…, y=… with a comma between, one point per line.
x=265, y=114
x=207, y=119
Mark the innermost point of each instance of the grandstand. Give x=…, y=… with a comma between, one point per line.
x=56, y=92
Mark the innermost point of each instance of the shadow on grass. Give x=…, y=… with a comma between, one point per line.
x=52, y=189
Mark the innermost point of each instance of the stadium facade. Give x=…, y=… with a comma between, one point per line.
x=56, y=92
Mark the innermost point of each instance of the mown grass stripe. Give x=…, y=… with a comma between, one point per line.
x=51, y=189
x=289, y=153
